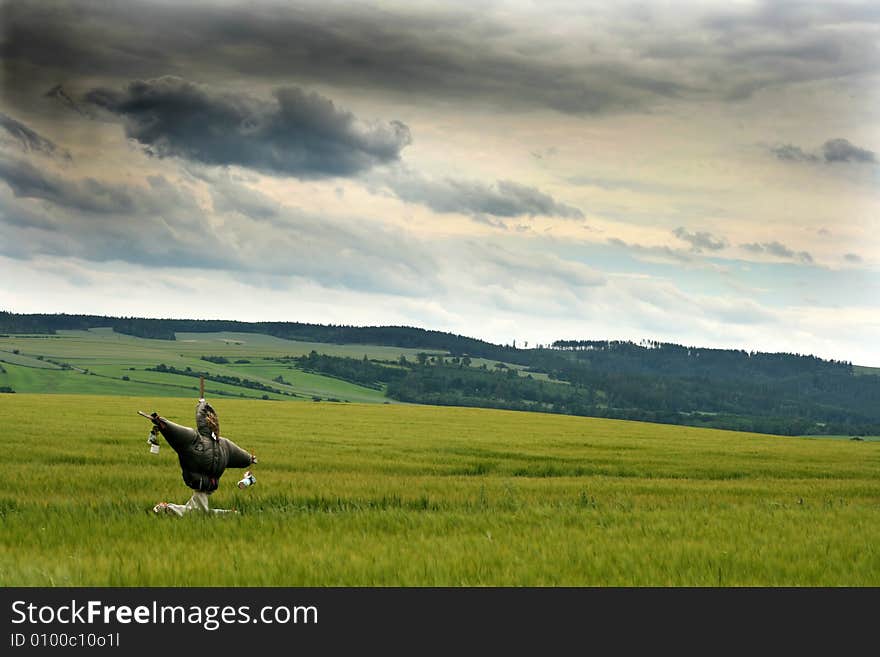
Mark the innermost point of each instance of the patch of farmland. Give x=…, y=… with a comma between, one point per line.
x=24, y=360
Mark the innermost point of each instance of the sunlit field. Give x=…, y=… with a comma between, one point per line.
x=374, y=494
x=102, y=362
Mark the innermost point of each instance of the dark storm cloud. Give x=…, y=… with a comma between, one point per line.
x=59, y=94
x=778, y=249
x=790, y=153
x=699, y=240
x=503, y=199
x=833, y=150
x=452, y=52
x=30, y=140
x=298, y=133
x=579, y=60
x=841, y=150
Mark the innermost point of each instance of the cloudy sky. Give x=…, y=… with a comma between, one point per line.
x=706, y=174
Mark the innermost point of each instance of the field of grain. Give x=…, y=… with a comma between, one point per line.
x=372, y=494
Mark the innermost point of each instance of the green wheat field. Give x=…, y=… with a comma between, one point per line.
x=386, y=495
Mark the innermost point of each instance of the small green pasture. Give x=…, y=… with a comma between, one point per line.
x=102, y=362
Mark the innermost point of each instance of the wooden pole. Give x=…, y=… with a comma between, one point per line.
x=201, y=387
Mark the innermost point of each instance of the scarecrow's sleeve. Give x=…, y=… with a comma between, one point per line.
x=178, y=436
x=238, y=458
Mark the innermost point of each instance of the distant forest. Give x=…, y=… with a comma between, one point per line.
x=661, y=382
x=165, y=329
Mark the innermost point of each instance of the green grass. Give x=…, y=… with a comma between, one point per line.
x=104, y=343
x=109, y=356
x=372, y=494
x=9, y=357
x=234, y=344
x=107, y=380
x=310, y=384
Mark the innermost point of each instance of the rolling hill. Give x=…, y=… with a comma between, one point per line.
x=780, y=393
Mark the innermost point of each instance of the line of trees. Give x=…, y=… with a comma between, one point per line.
x=220, y=378
x=363, y=372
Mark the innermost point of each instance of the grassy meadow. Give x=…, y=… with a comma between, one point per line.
x=375, y=494
x=101, y=362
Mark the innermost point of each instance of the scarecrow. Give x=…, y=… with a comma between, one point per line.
x=203, y=456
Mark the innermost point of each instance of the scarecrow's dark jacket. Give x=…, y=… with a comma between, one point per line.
x=203, y=458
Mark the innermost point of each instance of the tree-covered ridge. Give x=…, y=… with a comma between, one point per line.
x=798, y=403
x=165, y=329
x=668, y=359
x=360, y=371
x=837, y=403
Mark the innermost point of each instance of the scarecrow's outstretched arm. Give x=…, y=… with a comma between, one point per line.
x=153, y=417
x=177, y=435
x=238, y=458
